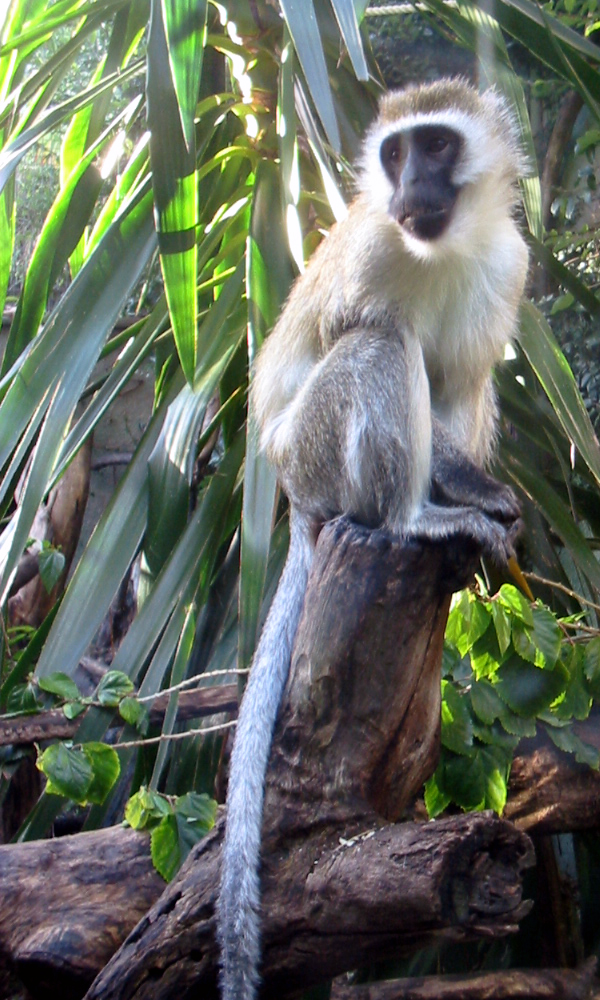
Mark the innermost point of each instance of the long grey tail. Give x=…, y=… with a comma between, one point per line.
x=238, y=918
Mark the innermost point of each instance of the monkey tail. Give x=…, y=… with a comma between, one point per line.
x=238, y=917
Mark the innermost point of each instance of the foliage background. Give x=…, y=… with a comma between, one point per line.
x=216, y=140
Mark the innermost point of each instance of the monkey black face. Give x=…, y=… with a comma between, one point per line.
x=420, y=164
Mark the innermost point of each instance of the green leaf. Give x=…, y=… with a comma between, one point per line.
x=566, y=739
x=74, y=708
x=195, y=815
x=304, y=31
x=111, y=547
x=576, y=702
x=135, y=713
x=487, y=703
x=51, y=563
x=436, y=800
x=345, y=14
x=61, y=685
x=268, y=281
x=457, y=726
x=164, y=847
x=501, y=624
x=464, y=781
x=546, y=635
x=175, y=63
x=591, y=663
x=146, y=808
x=495, y=764
x=516, y=726
x=485, y=655
x=69, y=772
x=106, y=768
x=23, y=698
x=185, y=32
x=114, y=686
x=513, y=601
x=552, y=369
x=524, y=644
x=180, y=663
x=528, y=690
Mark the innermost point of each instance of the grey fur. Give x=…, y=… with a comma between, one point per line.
x=239, y=900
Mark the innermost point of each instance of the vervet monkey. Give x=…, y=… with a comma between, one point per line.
x=374, y=399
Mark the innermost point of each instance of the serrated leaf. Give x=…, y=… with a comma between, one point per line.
x=435, y=799
x=527, y=689
x=523, y=643
x=60, y=684
x=487, y=703
x=464, y=782
x=114, y=686
x=135, y=713
x=485, y=655
x=495, y=764
x=198, y=809
x=146, y=807
x=457, y=726
x=459, y=619
x=106, y=768
x=514, y=601
x=566, y=739
x=515, y=725
x=68, y=771
x=496, y=735
x=164, y=847
x=502, y=625
x=576, y=702
x=478, y=625
x=546, y=635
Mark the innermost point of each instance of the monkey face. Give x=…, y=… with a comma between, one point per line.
x=421, y=164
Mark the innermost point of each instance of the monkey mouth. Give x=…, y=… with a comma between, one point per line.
x=425, y=223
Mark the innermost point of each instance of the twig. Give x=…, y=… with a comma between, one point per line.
x=190, y=681
x=174, y=736
x=561, y=586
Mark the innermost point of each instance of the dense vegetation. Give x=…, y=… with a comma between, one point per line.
x=218, y=138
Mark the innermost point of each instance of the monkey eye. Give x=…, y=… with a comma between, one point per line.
x=391, y=152
x=437, y=144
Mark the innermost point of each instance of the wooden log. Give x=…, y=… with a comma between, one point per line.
x=66, y=905
x=549, y=791
x=341, y=885
x=385, y=891
x=360, y=716
x=513, y=984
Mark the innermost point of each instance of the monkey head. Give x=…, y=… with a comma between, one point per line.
x=435, y=160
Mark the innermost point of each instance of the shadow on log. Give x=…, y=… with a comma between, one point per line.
x=513, y=984
x=357, y=734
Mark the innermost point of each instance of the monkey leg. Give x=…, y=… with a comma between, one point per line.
x=358, y=441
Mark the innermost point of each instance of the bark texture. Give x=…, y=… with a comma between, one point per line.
x=342, y=885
